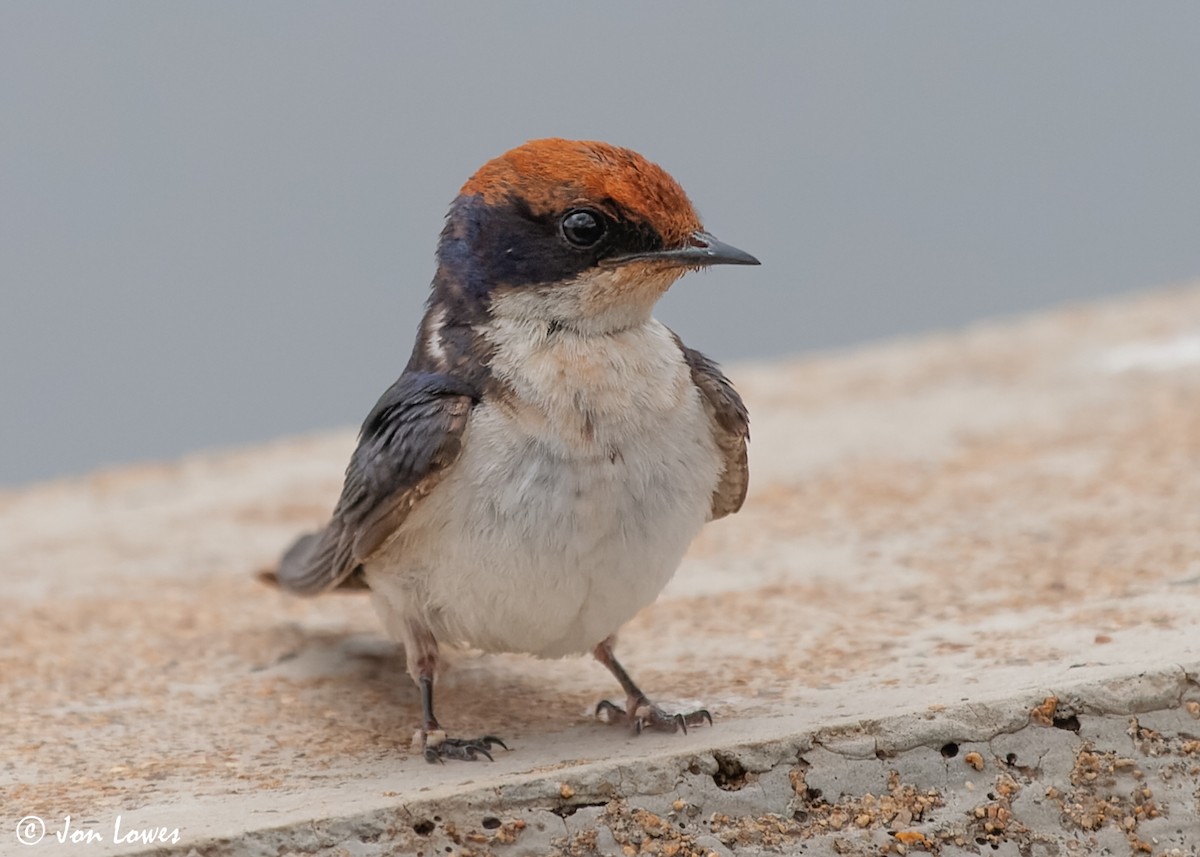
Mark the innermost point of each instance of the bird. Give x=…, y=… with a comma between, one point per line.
x=535, y=475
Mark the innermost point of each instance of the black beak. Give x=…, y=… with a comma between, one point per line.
x=700, y=251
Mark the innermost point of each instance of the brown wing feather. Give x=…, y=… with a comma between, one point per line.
x=731, y=430
x=406, y=445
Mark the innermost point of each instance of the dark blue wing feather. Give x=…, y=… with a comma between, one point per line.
x=407, y=442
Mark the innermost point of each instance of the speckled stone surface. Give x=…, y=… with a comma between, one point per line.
x=959, y=614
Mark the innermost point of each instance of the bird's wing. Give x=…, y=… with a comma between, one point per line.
x=407, y=443
x=731, y=430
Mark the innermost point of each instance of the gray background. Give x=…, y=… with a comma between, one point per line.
x=217, y=220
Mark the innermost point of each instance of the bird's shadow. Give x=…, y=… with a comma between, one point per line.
x=358, y=683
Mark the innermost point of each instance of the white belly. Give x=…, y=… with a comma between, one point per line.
x=570, y=507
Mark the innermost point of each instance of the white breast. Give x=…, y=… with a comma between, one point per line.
x=572, y=503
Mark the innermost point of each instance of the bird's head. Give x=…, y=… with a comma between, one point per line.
x=573, y=233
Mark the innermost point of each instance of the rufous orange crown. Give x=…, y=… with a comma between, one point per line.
x=553, y=174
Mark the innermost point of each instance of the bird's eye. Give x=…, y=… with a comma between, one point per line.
x=583, y=228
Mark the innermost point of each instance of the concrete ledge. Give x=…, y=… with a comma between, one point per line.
x=957, y=616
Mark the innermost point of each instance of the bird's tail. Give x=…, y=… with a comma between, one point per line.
x=295, y=572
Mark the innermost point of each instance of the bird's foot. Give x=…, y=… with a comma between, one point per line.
x=436, y=747
x=642, y=714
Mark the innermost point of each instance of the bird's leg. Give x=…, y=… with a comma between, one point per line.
x=639, y=711
x=422, y=651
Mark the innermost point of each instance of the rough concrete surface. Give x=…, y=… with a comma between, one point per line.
x=958, y=615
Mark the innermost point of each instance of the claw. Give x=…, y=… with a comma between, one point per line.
x=647, y=716
x=639, y=711
x=610, y=710
x=462, y=749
